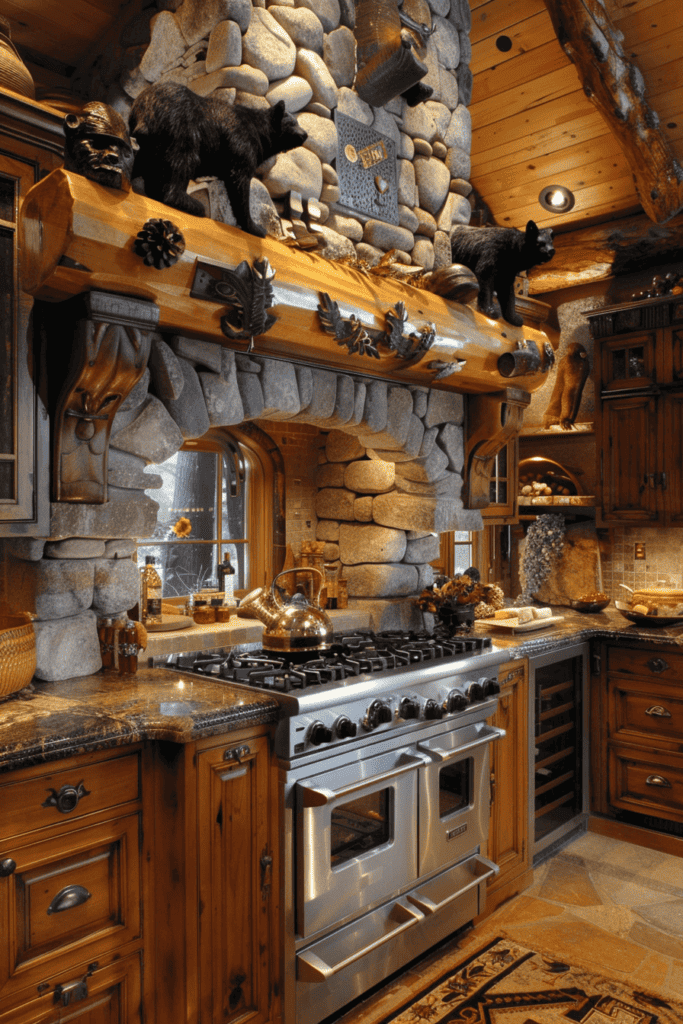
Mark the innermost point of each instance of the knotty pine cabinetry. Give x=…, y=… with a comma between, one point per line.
x=72, y=865
x=638, y=752
x=508, y=845
x=639, y=356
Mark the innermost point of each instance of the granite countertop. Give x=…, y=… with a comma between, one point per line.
x=107, y=710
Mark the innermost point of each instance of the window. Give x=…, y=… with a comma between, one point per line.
x=204, y=514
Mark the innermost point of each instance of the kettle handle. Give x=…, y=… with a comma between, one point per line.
x=304, y=568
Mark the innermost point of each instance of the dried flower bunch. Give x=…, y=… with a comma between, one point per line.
x=462, y=589
x=542, y=548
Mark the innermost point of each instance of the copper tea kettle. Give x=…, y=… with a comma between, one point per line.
x=295, y=627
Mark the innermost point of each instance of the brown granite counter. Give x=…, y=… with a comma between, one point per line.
x=107, y=710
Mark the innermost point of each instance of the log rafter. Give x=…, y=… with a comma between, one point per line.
x=616, y=86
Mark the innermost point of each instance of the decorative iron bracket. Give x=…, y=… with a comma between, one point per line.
x=249, y=293
x=348, y=330
x=493, y=419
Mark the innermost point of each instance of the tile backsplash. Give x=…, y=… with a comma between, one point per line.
x=663, y=562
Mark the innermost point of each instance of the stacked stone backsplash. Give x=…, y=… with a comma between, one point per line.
x=388, y=482
x=304, y=52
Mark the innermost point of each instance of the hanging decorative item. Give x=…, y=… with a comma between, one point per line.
x=366, y=167
x=248, y=290
x=443, y=369
x=391, y=48
x=348, y=331
x=159, y=244
x=407, y=346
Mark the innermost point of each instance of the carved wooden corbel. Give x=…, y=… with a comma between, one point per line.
x=493, y=419
x=617, y=88
x=110, y=338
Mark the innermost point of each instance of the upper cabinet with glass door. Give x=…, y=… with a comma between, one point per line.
x=24, y=440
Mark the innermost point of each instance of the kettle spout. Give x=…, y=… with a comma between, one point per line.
x=263, y=605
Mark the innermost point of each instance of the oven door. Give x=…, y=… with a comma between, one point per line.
x=455, y=795
x=356, y=838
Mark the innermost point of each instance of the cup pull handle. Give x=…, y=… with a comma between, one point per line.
x=658, y=780
x=658, y=665
x=657, y=711
x=68, y=897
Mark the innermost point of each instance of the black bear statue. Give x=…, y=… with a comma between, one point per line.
x=181, y=136
x=497, y=255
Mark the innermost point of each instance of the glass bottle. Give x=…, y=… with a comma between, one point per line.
x=151, y=592
x=226, y=579
x=105, y=634
x=128, y=649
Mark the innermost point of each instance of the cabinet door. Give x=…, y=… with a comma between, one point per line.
x=236, y=879
x=670, y=478
x=628, y=471
x=508, y=840
x=628, y=362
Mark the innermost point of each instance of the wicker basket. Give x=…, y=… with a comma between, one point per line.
x=663, y=597
x=17, y=652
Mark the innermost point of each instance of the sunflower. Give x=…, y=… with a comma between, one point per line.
x=183, y=528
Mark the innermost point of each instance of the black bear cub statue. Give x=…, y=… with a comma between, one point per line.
x=182, y=135
x=496, y=255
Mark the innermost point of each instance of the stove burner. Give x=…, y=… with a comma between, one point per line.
x=351, y=654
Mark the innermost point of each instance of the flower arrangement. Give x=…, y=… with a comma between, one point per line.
x=462, y=598
x=542, y=548
x=183, y=528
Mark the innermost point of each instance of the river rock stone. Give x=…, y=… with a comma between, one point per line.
x=280, y=390
x=244, y=78
x=423, y=254
x=197, y=18
x=204, y=354
x=441, y=116
x=432, y=179
x=126, y=470
x=166, y=376
x=336, y=245
x=67, y=647
x=137, y=519
x=444, y=407
x=28, y=549
x=247, y=99
x=137, y=395
x=327, y=529
x=116, y=585
x=406, y=183
x=465, y=48
x=294, y=91
x=153, y=435
x=302, y=25
x=465, y=81
x=323, y=399
x=413, y=442
x=407, y=219
x=331, y=552
x=384, y=123
x=417, y=513
x=399, y=410
x=353, y=106
x=222, y=399
x=347, y=226
x=459, y=132
x=447, y=486
x=335, y=503
x=461, y=15
x=311, y=66
x=225, y=47
x=425, y=469
x=251, y=394
x=451, y=441
x=322, y=139
x=331, y=474
x=339, y=54
x=381, y=580
x=299, y=170
x=189, y=410
x=369, y=543
x=419, y=124
x=167, y=45
x=343, y=447
x=53, y=588
x=447, y=42
x=387, y=236
x=119, y=548
x=267, y=46
x=442, y=250
x=328, y=11
x=458, y=162
x=75, y=547
x=424, y=550
x=362, y=508
x=369, y=477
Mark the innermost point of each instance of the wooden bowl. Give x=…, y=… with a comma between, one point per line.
x=590, y=607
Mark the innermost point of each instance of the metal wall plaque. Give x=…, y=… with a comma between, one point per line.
x=366, y=166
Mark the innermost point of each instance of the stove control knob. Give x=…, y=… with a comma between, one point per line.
x=318, y=733
x=455, y=701
x=344, y=728
x=432, y=709
x=377, y=714
x=491, y=686
x=475, y=692
x=409, y=708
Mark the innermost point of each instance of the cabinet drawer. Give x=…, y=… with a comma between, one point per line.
x=652, y=710
x=67, y=793
x=665, y=664
x=73, y=896
x=645, y=784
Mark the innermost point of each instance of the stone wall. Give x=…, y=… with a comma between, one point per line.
x=304, y=52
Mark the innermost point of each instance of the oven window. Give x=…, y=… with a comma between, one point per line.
x=454, y=787
x=361, y=825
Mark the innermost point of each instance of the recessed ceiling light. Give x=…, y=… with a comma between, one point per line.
x=556, y=199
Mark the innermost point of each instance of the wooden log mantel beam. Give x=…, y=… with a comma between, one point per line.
x=77, y=236
x=617, y=88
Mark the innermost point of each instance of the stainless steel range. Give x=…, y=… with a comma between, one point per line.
x=384, y=762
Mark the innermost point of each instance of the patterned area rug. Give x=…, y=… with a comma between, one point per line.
x=504, y=983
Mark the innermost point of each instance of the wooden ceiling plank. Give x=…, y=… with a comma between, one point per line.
x=546, y=89
x=614, y=195
x=553, y=139
x=588, y=174
x=544, y=168
x=46, y=29
x=496, y=17
x=668, y=102
x=593, y=44
x=650, y=23
x=657, y=53
x=499, y=81
x=544, y=131
x=526, y=36
x=630, y=8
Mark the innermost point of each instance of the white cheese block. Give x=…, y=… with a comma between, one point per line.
x=506, y=613
x=542, y=613
x=525, y=614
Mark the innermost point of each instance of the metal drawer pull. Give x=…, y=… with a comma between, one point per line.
x=67, y=798
x=236, y=753
x=657, y=711
x=658, y=665
x=438, y=754
x=7, y=866
x=321, y=795
x=428, y=906
x=310, y=967
x=68, y=897
x=657, y=780
x=72, y=991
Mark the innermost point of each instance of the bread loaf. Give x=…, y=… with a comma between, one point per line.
x=506, y=613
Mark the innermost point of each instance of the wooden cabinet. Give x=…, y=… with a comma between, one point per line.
x=71, y=874
x=24, y=467
x=640, y=759
x=216, y=881
x=640, y=415
x=508, y=830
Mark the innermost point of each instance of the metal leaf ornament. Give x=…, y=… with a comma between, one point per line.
x=348, y=331
x=411, y=345
x=159, y=243
x=249, y=292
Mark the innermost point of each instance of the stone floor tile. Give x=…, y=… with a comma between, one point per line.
x=676, y=978
x=628, y=893
x=637, y=859
x=669, y=870
x=614, y=919
x=668, y=917
x=580, y=943
x=527, y=908
x=568, y=882
x=590, y=846
x=654, y=972
x=660, y=941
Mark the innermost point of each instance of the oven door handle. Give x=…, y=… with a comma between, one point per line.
x=439, y=754
x=486, y=869
x=310, y=967
x=318, y=796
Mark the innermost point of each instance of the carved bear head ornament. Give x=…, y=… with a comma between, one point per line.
x=99, y=146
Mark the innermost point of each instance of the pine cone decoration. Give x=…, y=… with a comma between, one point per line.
x=160, y=243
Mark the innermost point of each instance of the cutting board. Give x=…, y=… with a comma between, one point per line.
x=169, y=622
x=515, y=626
